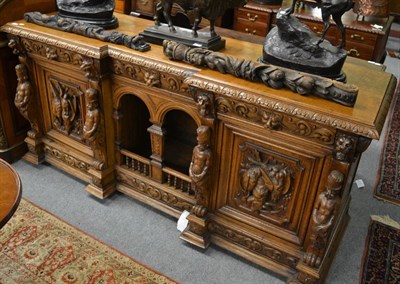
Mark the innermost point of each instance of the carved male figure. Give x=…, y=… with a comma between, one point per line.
x=323, y=216
x=24, y=90
x=201, y=162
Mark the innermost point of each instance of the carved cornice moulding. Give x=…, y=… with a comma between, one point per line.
x=18, y=30
x=277, y=105
x=151, y=64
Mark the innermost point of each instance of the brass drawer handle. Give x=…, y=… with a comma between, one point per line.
x=357, y=37
x=247, y=31
x=315, y=29
x=252, y=19
x=354, y=52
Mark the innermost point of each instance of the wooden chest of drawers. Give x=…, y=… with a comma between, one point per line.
x=143, y=7
x=365, y=39
x=254, y=18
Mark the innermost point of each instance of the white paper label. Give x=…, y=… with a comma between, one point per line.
x=182, y=221
x=360, y=183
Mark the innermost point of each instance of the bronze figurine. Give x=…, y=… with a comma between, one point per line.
x=209, y=9
x=329, y=8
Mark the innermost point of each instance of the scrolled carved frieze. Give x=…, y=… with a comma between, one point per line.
x=151, y=77
x=272, y=76
x=154, y=192
x=323, y=217
x=276, y=121
x=67, y=159
x=265, y=185
x=257, y=246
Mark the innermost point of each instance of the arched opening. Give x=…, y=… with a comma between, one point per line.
x=180, y=139
x=136, y=119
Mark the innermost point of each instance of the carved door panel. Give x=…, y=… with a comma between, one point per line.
x=63, y=106
x=268, y=186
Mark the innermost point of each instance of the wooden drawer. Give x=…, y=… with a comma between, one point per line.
x=242, y=25
x=361, y=51
x=145, y=7
x=253, y=15
x=251, y=21
x=359, y=37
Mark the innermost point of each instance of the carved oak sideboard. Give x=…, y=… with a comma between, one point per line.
x=265, y=173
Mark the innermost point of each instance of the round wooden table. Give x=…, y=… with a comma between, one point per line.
x=10, y=191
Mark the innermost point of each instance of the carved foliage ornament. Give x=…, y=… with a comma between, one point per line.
x=150, y=77
x=265, y=184
x=69, y=25
x=253, y=244
x=272, y=76
x=64, y=157
x=153, y=192
x=276, y=121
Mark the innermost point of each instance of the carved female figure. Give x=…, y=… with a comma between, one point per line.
x=92, y=119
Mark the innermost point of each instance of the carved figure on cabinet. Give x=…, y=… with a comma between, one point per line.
x=344, y=147
x=56, y=108
x=92, y=118
x=323, y=217
x=336, y=9
x=24, y=90
x=209, y=9
x=66, y=112
x=199, y=169
x=263, y=184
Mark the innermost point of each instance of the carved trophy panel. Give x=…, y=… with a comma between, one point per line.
x=269, y=186
x=66, y=101
x=65, y=110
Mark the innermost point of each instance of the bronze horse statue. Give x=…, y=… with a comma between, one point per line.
x=334, y=8
x=209, y=9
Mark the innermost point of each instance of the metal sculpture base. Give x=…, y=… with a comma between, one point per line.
x=157, y=34
x=106, y=23
x=89, y=12
x=291, y=44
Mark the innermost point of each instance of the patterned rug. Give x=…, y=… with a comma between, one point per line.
x=37, y=247
x=381, y=260
x=387, y=187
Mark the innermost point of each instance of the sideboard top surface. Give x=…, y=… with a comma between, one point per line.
x=366, y=118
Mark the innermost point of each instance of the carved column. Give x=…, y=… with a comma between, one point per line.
x=346, y=151
x=200, y=171
x=157, y=137
x=117, y=116
x=26, y=102
x=93, y=134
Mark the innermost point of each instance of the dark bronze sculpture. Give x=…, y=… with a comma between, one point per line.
x=272, y=76
x=292, y=44
x=209, y=9
x=69, y=25
x=94, y=12
x=336, y=9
